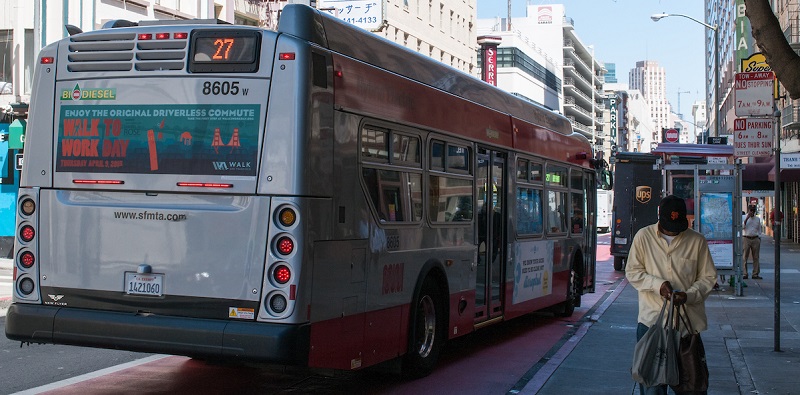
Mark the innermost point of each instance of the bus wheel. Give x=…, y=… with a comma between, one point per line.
x=619, y=263
x=574, y=288
x=427, y=331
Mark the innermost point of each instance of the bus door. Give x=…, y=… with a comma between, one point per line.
x=491, y=234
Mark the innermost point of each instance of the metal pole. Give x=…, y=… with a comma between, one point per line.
x=776, y=232
x=716, y=80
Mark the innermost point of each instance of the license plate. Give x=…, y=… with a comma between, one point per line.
x=620, y=240
x=149, y=284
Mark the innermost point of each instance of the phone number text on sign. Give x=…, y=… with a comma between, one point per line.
x=752, y=137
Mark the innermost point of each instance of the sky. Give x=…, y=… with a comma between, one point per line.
x=623, y=33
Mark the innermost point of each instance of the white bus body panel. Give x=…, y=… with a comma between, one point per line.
x=88, y=247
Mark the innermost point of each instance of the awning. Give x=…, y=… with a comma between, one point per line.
x=757, y=171
x=787, y=175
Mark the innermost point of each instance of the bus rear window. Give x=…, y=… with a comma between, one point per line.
x=219, y=139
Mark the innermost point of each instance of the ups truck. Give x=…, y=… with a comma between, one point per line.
x=637, y=193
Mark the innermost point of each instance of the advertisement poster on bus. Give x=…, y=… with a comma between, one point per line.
x=208, y=139
x=533, y=270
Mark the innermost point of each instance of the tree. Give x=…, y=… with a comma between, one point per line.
x=772, y=43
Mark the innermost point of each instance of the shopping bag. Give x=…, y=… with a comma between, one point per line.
x=655, y=357
x=691, y=358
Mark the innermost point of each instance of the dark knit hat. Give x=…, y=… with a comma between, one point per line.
x=672, y=214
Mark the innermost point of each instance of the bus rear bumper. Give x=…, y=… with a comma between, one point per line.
x=248, y=340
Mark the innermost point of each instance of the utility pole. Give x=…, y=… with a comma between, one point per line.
x=508, y=20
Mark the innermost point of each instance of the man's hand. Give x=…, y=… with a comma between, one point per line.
x=680, y=298
x=666, y=290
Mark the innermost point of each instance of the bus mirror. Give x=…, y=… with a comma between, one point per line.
x=606, y=179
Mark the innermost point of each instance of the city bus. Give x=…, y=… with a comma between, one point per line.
x=312, y=196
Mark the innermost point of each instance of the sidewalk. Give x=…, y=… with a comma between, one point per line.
x=740, y=342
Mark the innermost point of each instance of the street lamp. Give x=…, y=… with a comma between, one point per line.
x=715, y=29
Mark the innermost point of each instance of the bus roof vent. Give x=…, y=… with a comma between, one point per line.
x=125, y=51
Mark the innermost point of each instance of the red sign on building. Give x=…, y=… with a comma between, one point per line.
x=671, y=135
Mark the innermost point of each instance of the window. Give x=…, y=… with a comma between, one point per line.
x=556, y=175
x=556, y=217
x=396, y=195
x=577, y=214
x=451, y=187
x=451, y=199
x=529, y=211
x=576, y=179
x=6, y=44
x=392, y=173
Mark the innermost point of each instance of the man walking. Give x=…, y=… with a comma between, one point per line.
x=666, y=259
x=751, y=241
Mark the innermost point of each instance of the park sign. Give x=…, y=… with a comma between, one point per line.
x=752, y=137
x=753, y=94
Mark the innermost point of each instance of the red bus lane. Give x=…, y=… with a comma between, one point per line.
x=492, y=360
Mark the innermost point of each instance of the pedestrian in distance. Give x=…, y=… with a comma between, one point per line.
x=668, y=259
x=751, y=241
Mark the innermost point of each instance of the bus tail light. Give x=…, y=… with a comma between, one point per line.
x=281, y=274
x=287, y=217
x=47, y=60
x=277, y=303
x=25, y=286
x=284, y=245
x=27, y=233
x=286, y=56
x=27, y=259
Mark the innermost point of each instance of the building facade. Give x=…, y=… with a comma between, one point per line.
x=651, y=80
x=551, y=35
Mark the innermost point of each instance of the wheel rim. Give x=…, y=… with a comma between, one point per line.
x=426, y=326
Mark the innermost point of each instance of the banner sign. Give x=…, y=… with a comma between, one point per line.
x=209, y=139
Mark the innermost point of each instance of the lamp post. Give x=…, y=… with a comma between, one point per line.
x=715, y=29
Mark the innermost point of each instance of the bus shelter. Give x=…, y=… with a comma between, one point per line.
x=708, y=178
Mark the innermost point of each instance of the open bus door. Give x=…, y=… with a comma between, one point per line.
x=492, y=222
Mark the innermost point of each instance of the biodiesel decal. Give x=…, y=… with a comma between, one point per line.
x=214, y=139
x=77, y=93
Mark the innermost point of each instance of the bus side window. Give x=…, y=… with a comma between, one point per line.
x=529, y=211
x=578, y=219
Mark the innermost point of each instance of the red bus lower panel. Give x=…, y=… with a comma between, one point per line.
x=359, y=340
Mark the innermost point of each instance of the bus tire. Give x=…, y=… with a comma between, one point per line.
x=619, y=263
x=427, y=330
x=574, y=289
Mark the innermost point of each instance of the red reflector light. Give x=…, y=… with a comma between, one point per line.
x=114, y=182
x=286, y=56
x=27, y=233
x=47, y=60
x=204, y=185
x=162, y=36
x=180, y=36
x=282, y=274
x=339, y=73
x=285, y=245
x=26, y=259
x=145, y=36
